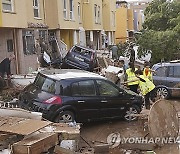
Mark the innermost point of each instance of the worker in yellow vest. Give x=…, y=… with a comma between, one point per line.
x=147, y=72
x=130, y=76
x=147, y=87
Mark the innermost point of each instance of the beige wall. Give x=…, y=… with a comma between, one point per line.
x=22, y=14
x=88, y=15
x=6, y=34
x=67, y=36
x=55, y=18
x=121, y=25
x=0, y=13
x=26, y=63
x=130, y=19
x=108, y=8
x=52, y=14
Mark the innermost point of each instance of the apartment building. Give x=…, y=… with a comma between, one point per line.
x=84, y=22
x=25, y=25
x=22, y=23
x=109, y=21
x=138, y=8
x=124, y=22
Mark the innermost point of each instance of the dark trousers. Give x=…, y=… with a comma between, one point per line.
x=147, y=97
x=133, y=88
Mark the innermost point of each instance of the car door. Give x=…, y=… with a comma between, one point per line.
x=173, y=80
x=113, y=99
x=160, y=76
x=85, y=95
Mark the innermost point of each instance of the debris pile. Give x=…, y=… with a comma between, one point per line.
x=23, y=132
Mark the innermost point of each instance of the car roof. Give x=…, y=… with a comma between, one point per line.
x=167, y=64
x=59, y=74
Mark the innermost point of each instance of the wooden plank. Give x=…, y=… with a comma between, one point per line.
x=163, y=120
x=35, y=143
x=60, y=150
x=21, y=126
x=65, y=131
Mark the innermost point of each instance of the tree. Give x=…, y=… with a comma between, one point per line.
x=161, y=29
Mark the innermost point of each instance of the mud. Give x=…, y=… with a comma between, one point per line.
x=96, y=133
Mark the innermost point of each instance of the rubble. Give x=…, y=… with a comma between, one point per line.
x=23, y=132
x=35, y=143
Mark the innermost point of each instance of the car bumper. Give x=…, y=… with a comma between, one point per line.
x=49, y=112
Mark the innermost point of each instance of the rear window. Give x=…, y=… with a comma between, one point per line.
x=45, y=84
x=83, y=52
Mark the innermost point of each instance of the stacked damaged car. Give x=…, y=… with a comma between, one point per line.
x=80, y=58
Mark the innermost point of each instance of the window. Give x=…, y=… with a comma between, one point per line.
x=36, y=8
x=106, y=89
x=45, y=84
x=98, y=15
x=171, y=71
x=84, y=88
x=71, y=5
x=113, y=19
x=174, y=71
x=28, y=42
x=79, y=12
x=49, y=86
x=161, y=71
x=43, y=34
x=10, y=45
x=83, y=52
x=95, y=13
x=7, y=5
x=65, y=9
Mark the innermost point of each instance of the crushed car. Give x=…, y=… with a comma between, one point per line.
x=80, y=57
x=66, y=95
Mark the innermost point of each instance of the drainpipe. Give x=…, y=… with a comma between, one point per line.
x=16, y=52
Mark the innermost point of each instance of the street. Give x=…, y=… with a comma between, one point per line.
x=96, y=133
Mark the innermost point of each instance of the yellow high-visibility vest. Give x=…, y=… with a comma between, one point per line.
x=147, y=86
x=131, y=76
x=149, y=75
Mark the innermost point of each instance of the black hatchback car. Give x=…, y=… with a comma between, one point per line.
x=80, y=57
x=68, y=95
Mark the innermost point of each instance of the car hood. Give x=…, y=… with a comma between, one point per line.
x=131, y=92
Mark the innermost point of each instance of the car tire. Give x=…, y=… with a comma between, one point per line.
x=162, y=92
x=134, y=109
x=65, y=116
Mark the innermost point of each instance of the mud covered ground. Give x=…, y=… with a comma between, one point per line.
x=96, y=133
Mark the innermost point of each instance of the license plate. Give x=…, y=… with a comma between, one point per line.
x=78, y=58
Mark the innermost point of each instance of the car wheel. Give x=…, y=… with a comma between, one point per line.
x=162, y=92
x=65, y=116
x=129, y=115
